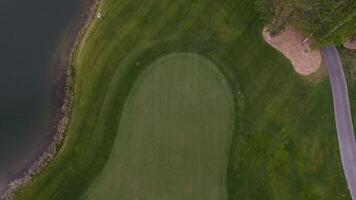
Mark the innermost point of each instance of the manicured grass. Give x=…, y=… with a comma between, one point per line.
x=284, y=144
x=174, y=135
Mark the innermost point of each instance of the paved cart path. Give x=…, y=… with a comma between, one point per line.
x=343, y=119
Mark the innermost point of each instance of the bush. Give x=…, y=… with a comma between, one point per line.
x=328, y=21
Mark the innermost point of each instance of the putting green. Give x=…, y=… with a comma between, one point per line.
x=284, y=144
x=173, y=137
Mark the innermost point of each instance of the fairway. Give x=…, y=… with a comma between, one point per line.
x=174, y=135
x=283, y=145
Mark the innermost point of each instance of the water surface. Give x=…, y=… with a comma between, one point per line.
x=29, y=36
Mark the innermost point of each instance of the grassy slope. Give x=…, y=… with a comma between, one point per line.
x=285, y=142
x=174, y=135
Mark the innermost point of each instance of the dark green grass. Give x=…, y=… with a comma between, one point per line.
x=174, y=135
x=284, y=145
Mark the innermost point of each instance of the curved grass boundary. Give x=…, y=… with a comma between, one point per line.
x=284, y=144
x=174, y=135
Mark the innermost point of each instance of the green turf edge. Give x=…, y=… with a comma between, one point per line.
x=248, y=44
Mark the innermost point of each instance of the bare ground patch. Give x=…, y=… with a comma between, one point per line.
x=351, y=44
x=291, y=43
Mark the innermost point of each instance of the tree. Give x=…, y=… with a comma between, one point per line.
x=328, y=21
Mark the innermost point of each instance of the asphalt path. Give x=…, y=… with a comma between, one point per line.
x=343, y=119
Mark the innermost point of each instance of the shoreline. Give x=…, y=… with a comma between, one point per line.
x=61, y=98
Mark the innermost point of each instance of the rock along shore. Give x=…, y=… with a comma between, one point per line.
x=62, y=98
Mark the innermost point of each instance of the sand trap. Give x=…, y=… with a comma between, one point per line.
x=351, y=44
x=290, y=43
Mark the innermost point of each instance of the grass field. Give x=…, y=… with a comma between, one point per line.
x=284, y=144
x=174, y=135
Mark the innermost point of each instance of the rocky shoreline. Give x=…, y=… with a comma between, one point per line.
x=62, y=98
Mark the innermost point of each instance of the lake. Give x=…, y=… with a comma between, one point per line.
x=29, y=38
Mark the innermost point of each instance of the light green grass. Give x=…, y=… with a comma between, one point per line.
x=284, y=144
x=174, y=135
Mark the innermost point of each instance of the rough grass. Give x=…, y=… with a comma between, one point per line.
x=284, y=145
x=174, y=135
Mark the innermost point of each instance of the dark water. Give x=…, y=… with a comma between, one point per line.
x=30, y=31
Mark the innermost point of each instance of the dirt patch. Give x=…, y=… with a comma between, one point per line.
x=292, y=44
x=351, y=44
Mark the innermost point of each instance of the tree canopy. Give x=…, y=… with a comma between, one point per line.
x=327, y=21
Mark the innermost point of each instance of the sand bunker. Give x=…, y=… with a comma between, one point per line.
x=351, y=44
x=292, y=45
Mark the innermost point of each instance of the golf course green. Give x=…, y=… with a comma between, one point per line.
x=173, y=137
x=247, y=127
